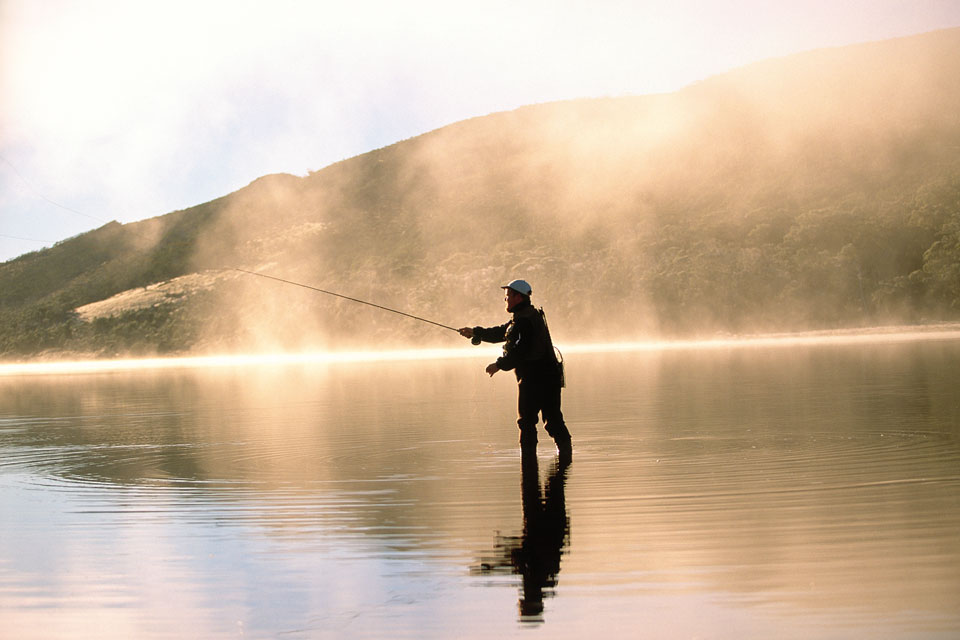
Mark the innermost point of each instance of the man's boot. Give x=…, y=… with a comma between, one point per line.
x=561, y=435
x=528, y=439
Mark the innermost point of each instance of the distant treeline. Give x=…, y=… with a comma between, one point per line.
x=858, y=264
x=817, y=191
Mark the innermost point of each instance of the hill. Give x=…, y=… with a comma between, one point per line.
x=820, y=190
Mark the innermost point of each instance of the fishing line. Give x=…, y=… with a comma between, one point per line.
x=40, y=195
x=253, y=273
x=340, y=295
x=3, y=235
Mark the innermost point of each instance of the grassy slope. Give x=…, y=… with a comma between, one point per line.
x=812, y=191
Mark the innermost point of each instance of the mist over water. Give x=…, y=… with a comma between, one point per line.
x=731, y=492
x=816, y=191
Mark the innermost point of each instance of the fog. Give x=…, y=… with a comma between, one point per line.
x=803, y=193
x=613, y=209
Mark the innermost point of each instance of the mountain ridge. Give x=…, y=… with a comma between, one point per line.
x=804, y=192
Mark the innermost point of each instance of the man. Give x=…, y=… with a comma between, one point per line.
x=529, y=353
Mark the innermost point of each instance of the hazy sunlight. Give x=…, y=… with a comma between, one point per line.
x=878, y=335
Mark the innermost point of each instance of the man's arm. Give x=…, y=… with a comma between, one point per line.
x=518, y=339
x=486, y=334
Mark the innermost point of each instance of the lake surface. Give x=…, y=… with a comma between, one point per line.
x=771, y=490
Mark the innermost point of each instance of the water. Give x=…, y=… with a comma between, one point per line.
x=804, y=491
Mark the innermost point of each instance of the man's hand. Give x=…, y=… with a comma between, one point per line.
x=466, y=332
x=492, y=368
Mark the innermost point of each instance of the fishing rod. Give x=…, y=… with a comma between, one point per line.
x=253, y=273
x=340, y=295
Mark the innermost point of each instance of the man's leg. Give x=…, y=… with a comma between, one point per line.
x=527, y=409
x=553, y=418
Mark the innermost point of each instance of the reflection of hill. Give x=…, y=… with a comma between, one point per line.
x=812, y=191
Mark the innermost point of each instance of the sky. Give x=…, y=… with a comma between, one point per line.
x=120, y=110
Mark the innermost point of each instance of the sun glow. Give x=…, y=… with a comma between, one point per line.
x=871, y=336
x=812, y=338
x=222, y=361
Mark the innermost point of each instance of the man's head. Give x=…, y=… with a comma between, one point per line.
x=516, y=292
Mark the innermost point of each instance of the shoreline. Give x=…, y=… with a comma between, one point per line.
x=870, y=335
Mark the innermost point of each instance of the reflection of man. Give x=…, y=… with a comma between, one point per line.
x=528, y=351
x=545, y=532
x=536, y=554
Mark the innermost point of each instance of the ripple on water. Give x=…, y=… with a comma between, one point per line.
x=819, y=508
